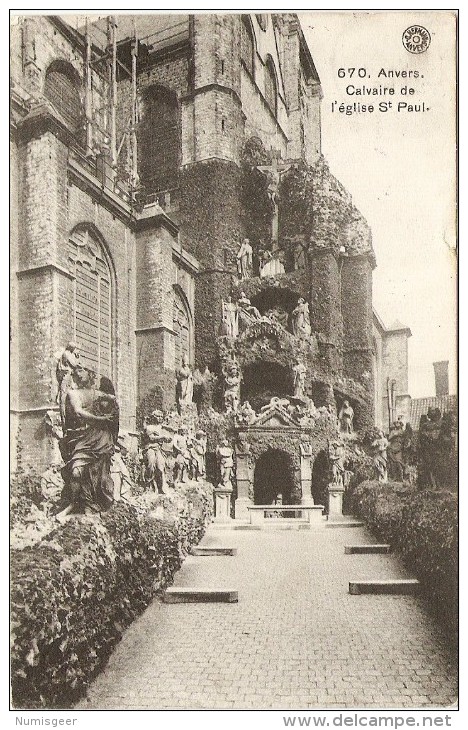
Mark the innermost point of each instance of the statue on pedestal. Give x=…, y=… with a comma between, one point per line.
x=380, y=445
x=198, y=453
x=271, y=265
x=230, y=324
x=345, y=418
x=246, y=414
x=247, y=312
x=184, y=387
x=225, y=455
x=182, y=455
x=154, y=462
x=300, y=319
x=336, y=455
x=66, y=364
x=90, y=434
x=244, y=260
x=300, y=372
x=232, y=380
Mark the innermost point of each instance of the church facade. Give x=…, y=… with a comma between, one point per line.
x=144, y=153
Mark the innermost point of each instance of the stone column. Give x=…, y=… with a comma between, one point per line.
x=155, y=334
x=306, y=475
x=243, y=476
x=356, y=306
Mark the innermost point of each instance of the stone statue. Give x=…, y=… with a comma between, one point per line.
x=90, y=434
x=345, y=418
x=244, y=260
x=305, y=447
x=277, y=402
x=247, y=312
x=230, y=324
x=300, y=319
x=246, y=414
x=396, y=446
x=300, y=372
x=225, y=455
x=120, y=475
x=184, y=388
x=273, y=173
x=271, y=265
x=154, y=462
x=182, y=455
x=306, y=412
x=232, y=380
x=198, y=453
x=66, y=364
x=380, y=444
x=336, y=455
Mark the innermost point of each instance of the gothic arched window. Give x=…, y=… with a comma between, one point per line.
x=271, y=86
x=61, y=88
x=247, y=45
x=159, y=140
x=183, y=329
x=92, y=300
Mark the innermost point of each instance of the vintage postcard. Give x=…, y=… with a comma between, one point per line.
x=233, y=362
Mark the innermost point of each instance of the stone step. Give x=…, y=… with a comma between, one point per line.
x=215, y=550
x=343, y=523
x=200, y=595
x=400, y=587
x=366, y=549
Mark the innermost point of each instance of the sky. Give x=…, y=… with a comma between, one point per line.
x=400, y=169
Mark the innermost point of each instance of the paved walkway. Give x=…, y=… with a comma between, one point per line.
x=296, y=639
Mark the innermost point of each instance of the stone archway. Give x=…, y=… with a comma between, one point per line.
x=320, y=479
x=273, y=475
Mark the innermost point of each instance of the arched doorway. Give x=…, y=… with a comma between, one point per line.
x=320, y=479
x=273, y=476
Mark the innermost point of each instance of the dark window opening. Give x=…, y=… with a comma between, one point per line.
x=271, y=86
x=159, y=140
x=61, y=89
x=247, y=45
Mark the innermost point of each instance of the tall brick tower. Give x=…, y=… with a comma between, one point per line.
x=212, y=129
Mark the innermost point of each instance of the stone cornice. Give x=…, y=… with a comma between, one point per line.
x=44, y=118
x=37, y=270
x=156, y=328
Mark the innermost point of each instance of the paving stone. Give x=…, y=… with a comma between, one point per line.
x=376, y=587
x=296, y=638
x=366, y=549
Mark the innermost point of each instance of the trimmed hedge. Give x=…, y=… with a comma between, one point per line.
x=423, y=527
x=75, y=591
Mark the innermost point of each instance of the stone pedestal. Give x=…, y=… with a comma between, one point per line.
x=241, y=511
x=306, y=476
x=223, y=503
x=335, y=500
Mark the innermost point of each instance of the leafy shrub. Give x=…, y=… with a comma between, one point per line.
x=423, y=527
x=75, y=591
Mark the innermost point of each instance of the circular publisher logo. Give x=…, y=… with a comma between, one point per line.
x=416, y=39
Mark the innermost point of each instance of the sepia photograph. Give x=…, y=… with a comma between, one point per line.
x=233, y=361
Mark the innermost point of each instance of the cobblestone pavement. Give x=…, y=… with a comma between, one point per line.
x=296, y=639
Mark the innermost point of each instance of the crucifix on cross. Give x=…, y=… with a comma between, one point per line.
x=273, y=173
